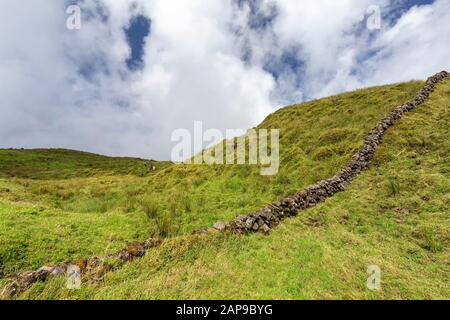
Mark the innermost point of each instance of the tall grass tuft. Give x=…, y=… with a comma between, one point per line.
x=165, y=225
x=149, y=206
x=432, y=242
x=393, y=187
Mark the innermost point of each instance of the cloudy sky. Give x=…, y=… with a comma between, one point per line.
x=137, y=70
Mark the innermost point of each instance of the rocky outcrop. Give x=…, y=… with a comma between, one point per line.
x=266, y=218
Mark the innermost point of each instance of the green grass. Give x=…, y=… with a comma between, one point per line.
x=48, y=164
x=395, y=215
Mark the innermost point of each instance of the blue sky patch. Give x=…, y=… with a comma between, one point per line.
x=258, y=18
x=400, y=7
x=287, y=61
x=136, y=32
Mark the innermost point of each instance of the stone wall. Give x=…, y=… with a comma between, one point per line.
x=266, y=218
x=95, y=267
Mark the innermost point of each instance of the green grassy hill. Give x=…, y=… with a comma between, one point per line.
x=58, y=205
x=52, y=164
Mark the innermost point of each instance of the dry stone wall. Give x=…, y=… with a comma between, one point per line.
x=266, y=218
x=94, y=266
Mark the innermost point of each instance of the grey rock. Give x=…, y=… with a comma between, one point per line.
x=265, y=228
x=58, y=271
x=219, y=226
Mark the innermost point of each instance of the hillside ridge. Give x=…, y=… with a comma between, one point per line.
x=266, y=218
x=270, y=216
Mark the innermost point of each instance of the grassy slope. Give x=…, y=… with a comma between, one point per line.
x=48, y=164
x=326, y=250
x=83, y=211
x=57, y=205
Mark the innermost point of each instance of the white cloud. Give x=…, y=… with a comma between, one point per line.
x=415, y=47
x=194, y=66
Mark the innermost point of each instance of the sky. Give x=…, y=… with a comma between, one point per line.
x=138, y=70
